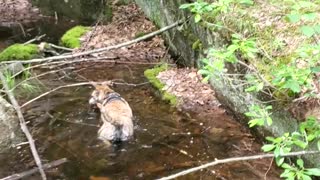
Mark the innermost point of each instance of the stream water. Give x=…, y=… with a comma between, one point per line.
x=166, y=140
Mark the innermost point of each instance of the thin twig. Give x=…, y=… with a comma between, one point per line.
x=265, y=175
x=245, y=158
x=23, y=126
x=62, y=57
x=59, y=47
x=34, y=170
x=77, y=84
x=37, y=38
x=38, y=76
x=53, y=90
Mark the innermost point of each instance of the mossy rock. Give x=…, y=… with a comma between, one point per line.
x=19, y=52
x=151, y=75
x=71, y=38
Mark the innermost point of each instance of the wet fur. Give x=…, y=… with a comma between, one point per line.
x=116, y=115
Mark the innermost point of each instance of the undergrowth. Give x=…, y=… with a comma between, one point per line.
x=277, y=43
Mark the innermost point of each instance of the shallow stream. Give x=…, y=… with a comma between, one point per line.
x=166, y=140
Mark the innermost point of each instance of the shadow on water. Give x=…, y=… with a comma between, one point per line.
x=165, y=141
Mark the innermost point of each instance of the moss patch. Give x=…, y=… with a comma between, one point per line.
x=72, y=37
x=19, y=52
x=151, y=75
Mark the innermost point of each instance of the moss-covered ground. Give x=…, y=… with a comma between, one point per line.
x=151, y=75
x=19, y=52
x=72, y=37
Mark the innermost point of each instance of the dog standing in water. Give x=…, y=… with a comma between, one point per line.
x=116, y=114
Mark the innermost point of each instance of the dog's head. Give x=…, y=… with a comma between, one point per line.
x=101, y=92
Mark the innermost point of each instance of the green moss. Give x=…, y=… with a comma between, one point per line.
x=19, y=52
x=151, y=75
x=139, y=34
x=72, y=37
x=197, y=45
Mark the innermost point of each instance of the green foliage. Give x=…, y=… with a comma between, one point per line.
x=19, y=52
x=292, y=78
x=255, y=84
x=299, y=171
x=309, y=131
x=259, y=116
x=216, y=58
x=9, y=79
x=201, y=9
x=305, y=12
x=291, y=74
x=151, y=75
x=72, y=37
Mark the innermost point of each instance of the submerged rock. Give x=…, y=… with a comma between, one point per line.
x=10, y=132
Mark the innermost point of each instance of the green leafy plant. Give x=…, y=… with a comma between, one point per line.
x=305, y=12
x=9, y=79
x=255, y=84
x=299, y=171
x=292, y=78
x=310, y=129
x=259, y=116
x=202, y=9
x=198, y=8
x=214, y=63
x=291, y=75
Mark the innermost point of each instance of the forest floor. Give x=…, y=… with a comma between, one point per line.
x=20, y=11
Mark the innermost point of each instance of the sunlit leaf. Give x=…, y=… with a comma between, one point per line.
x=313, y=171
x=267, y=147
x=300, y=163
x=197, y=18
x=307, y=31
x=293, y=18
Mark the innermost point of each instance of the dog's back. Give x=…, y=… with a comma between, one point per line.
x=116, y=114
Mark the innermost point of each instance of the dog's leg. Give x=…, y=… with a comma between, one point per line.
x=107, y=132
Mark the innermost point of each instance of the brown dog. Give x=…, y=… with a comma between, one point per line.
x=116, y=114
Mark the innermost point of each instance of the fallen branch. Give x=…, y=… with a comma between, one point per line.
x=35, y=39
x=77, y=84
x=59, y=47
x=62, y=57
x=23, y=125
x=34, y=170
x=245, y=158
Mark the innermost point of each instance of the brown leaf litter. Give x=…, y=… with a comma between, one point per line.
x=17, y=11
x=186, y=85
x=128, y=23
